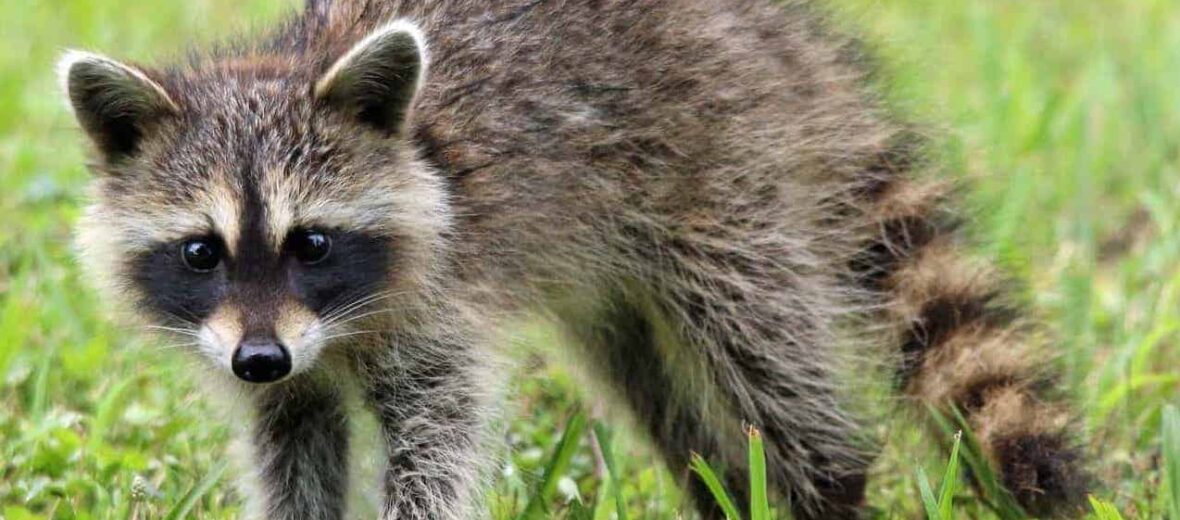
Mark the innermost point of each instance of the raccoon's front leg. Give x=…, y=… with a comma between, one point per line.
x=300, y=438
x=428, y=396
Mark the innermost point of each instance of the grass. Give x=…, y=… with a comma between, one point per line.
x=942, y=507
x=1104, y=510
x=559, y=464
x=1171, y=455
x=1064, y=115
x=759, y=503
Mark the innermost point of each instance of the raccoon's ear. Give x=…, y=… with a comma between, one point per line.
x=114, y=103
x=376, y=81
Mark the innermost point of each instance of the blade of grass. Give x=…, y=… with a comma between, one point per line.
x=702, y=469
x=1171, y=449
x=605, y=490
x=604, y=442
x=37, y=402
x=1104, y=510
x=950, y=480
x=1144, y=351
x=759, y=503
x=186, y=504
x=558, y=465
x=1128, y=387
x=13, y=333
x=993, y=494
x=107, y=411
x=928, y=501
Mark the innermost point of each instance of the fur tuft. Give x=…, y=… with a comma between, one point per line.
x=1040, y=469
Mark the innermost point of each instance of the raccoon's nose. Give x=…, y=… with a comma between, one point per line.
x=261, y=361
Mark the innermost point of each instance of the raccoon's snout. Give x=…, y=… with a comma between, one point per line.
x=261, y=361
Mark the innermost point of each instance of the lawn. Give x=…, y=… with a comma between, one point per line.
x=1063, y=115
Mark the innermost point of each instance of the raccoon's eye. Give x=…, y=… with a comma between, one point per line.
x=200, y=255
x=309, y=247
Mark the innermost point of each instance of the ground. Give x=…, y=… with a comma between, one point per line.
x=1063, y=116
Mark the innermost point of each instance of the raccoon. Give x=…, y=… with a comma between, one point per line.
x=706, y=194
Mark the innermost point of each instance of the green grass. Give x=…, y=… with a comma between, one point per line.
x=1064, y=114
x=1104, y=510
x=1171, y=454
x=942, y=507
x=758, y=506
x=721, y=496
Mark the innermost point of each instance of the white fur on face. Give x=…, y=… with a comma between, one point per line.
x=220, y=335
x=301, y=332
x=223, y=208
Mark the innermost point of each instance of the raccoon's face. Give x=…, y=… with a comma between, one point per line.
x=262, y=211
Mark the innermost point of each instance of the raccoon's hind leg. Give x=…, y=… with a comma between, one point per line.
x=300, y=443
x=696, y=370
x=772, y=360
x=618, y=335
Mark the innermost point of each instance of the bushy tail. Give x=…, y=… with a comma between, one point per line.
x=964, y=344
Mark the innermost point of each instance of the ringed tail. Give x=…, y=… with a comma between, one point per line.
x=964, y=345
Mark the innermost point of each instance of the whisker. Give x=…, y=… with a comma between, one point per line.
x=353, y=333
x=364, y=300
x=192, y=320
x=345, y=310
x=349, y=299
x=186, y=332
x=350, y=319
x=344, y=314
x=174, y=346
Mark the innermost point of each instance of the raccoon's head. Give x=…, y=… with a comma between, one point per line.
x=261, y=207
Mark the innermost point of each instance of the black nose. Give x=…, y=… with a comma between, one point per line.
x=261, y=361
